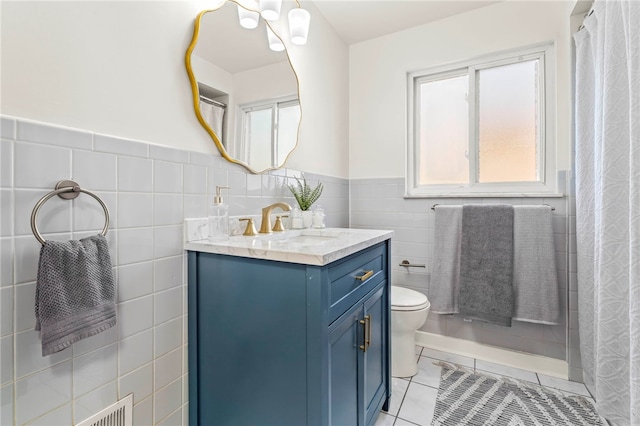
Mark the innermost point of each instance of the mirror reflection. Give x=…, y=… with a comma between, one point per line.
x=245, y=94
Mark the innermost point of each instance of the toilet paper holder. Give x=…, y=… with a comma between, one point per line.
x=408, y=264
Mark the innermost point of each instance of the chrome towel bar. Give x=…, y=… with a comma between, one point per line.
x=67, y=190
x=433, y=207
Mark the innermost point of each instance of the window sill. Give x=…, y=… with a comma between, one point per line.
x=489, y=195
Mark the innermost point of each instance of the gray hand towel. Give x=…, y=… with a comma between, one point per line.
x=445, y=269
x=75, y=292
x=535, y=279
x=486, y=263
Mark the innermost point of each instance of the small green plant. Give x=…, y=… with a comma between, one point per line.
x=304, y=195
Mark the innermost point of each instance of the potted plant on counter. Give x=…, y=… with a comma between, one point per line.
x=305, y=196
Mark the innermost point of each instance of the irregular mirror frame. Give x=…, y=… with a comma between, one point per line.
x=233, y=66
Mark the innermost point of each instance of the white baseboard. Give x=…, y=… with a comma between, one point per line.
x=536, y=363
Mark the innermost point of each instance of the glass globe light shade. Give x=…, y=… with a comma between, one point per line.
x=248, y=18
x=275, y=43
x=270, y=9
x=299, y=25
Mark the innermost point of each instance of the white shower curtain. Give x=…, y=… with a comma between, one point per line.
x=608, y=206
x=214, y=116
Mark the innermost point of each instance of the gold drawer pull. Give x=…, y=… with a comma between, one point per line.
x=364, y=276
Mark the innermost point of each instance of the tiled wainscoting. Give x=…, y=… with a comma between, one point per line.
x=379, y=203
x=149, y=190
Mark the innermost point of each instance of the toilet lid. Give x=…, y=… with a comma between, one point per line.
x=404, y=299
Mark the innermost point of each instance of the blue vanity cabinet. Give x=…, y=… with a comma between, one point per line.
x=278, y=343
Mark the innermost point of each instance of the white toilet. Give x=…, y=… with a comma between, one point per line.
x=409, y=310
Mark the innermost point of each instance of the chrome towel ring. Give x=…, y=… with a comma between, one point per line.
x=67, y=190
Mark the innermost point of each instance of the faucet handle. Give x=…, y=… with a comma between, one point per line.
x=277, y=227
x=250, y=230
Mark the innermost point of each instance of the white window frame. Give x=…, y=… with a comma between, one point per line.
x=274, y=104
x=546, y=161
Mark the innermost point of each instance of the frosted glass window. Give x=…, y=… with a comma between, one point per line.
x=259, y=134
x=269, y=131
x=288, y=119
x=444, y=131
x=483, y=127
x=508, y=123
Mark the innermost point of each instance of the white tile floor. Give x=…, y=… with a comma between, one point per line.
x=413, y=400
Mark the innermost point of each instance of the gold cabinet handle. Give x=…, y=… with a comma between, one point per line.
x=364, y=337
x=364, y=276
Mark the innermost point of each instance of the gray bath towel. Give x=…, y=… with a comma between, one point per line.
x=445, y=269
x=486, y=263
x=535, y=279
x=75, y=292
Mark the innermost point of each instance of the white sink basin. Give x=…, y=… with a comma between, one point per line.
x=307, y=240
x=306, y=237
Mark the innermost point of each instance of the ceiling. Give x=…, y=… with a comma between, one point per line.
x=353, y=20
x=359, y=20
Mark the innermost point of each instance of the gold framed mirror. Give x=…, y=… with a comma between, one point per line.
x=245, y=95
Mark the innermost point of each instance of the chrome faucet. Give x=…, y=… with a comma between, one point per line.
x=265, y=226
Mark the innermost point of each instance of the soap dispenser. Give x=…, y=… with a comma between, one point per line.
x=318, y=217
x=219, y=217
x=296, y=218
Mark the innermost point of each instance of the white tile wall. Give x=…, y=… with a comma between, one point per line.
x=143, y=412
x=135, y=209
x=168, y=368
x=139, y=382
x=42, y=392
x=167, y=399
x=168, y=336
x=167, y=177
x=135, y=351
x=46, y=165
x=135, y=280
x=60, y=416
x=94, y=401
x=149, y=190
x=29, y=357
x=104, y=143
x=135, y=174
x=135, y=315
x=6, y=405
x=42, y=133
x=95, y=170
x=95, y=369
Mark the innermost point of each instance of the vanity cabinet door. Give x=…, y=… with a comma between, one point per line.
x=375, y=358
x=345, y=336
x=358, y=362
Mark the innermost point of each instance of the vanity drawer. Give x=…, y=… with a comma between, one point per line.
x=352, y=278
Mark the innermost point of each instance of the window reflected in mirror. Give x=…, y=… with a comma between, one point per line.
x=269, y=132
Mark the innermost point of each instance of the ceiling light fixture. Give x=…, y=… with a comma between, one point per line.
x=299, y=20
x=270, y=9
x=248, y=18
x=275, y=43
x=299, y=25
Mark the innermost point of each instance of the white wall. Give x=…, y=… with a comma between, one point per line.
x=118, y=68
x=378, y=69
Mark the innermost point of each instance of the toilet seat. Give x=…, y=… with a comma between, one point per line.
x=404, y=299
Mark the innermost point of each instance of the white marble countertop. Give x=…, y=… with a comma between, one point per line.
x=308, y=246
